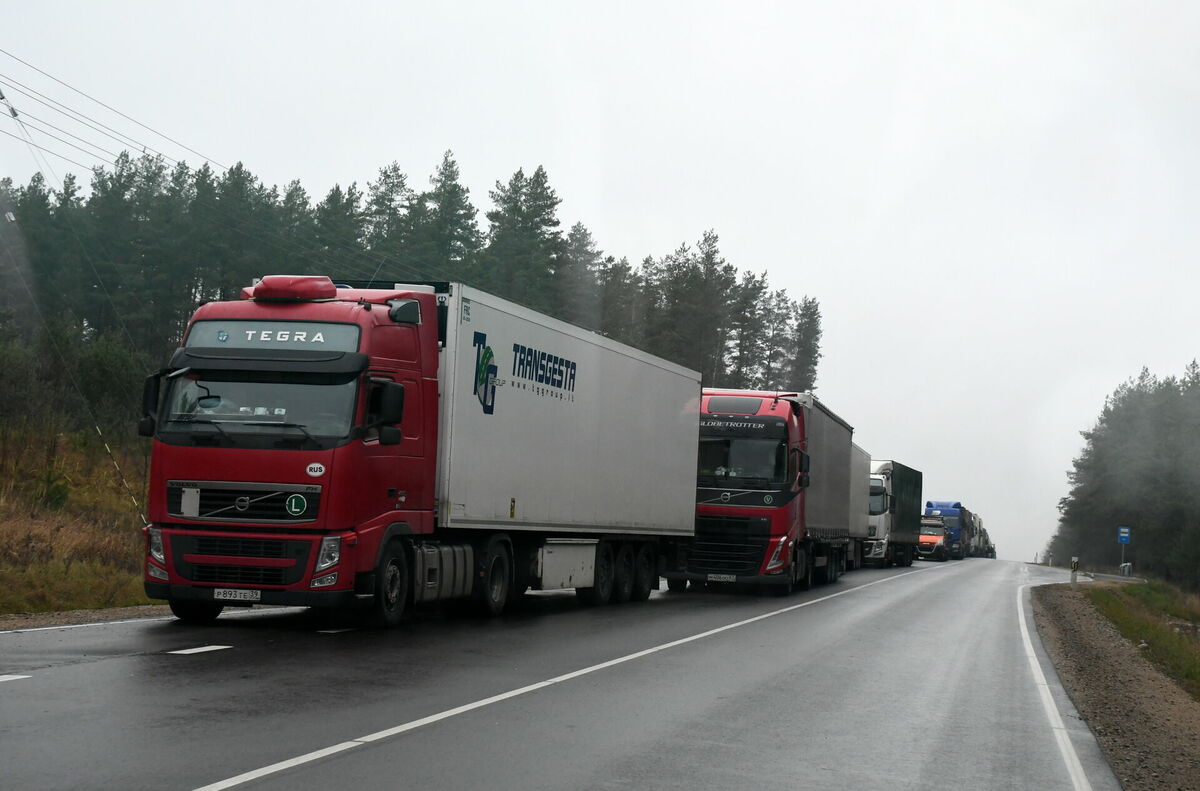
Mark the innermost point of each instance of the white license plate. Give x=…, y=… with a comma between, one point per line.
x=722, y=578
x=236, y=594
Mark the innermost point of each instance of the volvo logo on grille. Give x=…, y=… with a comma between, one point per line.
x=724, y=497
x=242, y=503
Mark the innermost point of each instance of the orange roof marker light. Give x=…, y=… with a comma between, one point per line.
x=291, y=288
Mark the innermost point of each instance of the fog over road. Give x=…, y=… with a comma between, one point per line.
x=905, y=678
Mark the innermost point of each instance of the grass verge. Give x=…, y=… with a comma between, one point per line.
x=1164, y=617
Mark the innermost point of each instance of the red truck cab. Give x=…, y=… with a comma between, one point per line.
x=750, y=491
x=280, y=430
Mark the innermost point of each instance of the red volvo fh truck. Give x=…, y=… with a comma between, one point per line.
x=339, y=447
x=774, y=493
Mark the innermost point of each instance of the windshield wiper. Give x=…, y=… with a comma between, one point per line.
x=300, y=426
x=208, y=421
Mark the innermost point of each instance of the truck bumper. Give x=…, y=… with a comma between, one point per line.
x=747, y=579
x=289, y=598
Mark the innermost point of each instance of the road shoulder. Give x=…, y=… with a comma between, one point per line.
x=1147, y=726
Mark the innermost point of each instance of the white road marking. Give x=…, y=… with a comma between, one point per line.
x=338, y=631
x=13, y=678
x=78, y=625
x=454, y=712
x=201, y=650
x=1079, y=779
x=242, y=614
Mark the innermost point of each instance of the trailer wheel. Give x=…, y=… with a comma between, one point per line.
x=602, y=583
x=833, y=567
x=190, y=611
x=391, y=587
x=496, y=578
x=676, y=584
x=623, y=573
x=643, y=573
x=823, y=572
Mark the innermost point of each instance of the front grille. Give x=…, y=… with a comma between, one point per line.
x=240, y=575
x=243, y=502
x=297, y=550
x=729, y=545
x=240, y=547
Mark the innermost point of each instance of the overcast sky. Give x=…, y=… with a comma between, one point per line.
x=995, y=204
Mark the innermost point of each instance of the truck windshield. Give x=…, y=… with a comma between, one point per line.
x=877, y=502
x=951, y=521
x=932, y=530
x=742, y=461
x=261, y=404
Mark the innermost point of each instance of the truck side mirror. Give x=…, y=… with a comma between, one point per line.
x=804, y=462
x=891, y=503
x=150, y=393
x=391, y=403
x=802, y=480
x=389, y=435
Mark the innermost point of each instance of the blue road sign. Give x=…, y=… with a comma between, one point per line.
x=1123, y=535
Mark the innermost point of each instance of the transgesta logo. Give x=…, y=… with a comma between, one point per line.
x=485, y=374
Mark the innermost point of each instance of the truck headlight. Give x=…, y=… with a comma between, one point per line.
x=777, y=556
x=156, y=544
x=330, y=554
x=156, y=572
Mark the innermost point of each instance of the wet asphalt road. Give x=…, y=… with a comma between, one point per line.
x=905, y=678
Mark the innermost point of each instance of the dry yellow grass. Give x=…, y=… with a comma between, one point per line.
x=69, y=532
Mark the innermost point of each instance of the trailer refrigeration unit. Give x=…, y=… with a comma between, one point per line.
x=773, y=491
x=895, y=522
x=959, y=522
x=342, y=447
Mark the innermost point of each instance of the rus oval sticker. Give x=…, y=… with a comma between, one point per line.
x=315, y=470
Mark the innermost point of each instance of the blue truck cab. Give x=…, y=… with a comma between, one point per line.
x=959, y=522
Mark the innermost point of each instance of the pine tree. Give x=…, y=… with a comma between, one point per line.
x=575, y=278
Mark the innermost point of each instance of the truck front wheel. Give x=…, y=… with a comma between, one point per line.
x=191, y=611
x=391, y=587
x=804, y=572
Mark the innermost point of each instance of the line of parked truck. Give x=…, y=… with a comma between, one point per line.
x=380, y=448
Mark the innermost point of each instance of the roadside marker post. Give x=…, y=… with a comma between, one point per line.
x=1074, y=570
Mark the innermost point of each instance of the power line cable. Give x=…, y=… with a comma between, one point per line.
x=48, y=151
x=75, y=115
x=297, y=247
x=113, y=109
x=75, y=233
x=26, y=115
x=64, y=142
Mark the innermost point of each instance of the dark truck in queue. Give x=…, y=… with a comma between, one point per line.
x=895, y=514
x=773, y=491
x=379, y=448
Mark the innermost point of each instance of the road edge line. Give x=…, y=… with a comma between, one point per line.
x=1079, y=778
